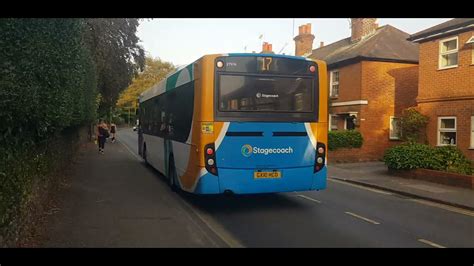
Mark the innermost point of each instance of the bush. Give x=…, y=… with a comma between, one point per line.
x=409, y=156
x=413, y=155
x=413, y=125
x=344, y=139
x=451, y=159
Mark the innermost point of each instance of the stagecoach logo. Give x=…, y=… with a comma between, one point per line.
x=261, y=95
x=247, y=150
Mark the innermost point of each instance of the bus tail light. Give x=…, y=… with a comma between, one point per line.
x=320, y=157
x=210, y=158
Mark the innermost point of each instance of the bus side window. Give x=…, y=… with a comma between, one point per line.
x=163, y=120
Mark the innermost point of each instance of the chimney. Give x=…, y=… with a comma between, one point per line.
x=304, y=40
x=321, y=44
x=362, y=27
x=267, y=48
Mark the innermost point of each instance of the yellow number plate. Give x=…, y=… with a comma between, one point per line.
x=273, y=174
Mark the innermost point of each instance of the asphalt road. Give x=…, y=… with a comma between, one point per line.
x=343, y=215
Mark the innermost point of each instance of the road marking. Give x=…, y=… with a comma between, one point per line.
x=359, y=186
x=425, y=202
x=363, y=218
x=308, y=198
x=136, y=156
x=430, y=243
x=444, y=207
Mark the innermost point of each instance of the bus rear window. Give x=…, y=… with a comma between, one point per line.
x=265, y=94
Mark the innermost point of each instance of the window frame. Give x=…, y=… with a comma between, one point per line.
x=391, y=129
x=331, y=82
x=331, y=116
x=441, y=54
x=447, y=130
x=472, y=133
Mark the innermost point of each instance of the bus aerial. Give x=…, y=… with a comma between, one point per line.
x=238, y=123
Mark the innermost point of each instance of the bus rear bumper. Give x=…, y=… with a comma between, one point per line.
x=242, y=181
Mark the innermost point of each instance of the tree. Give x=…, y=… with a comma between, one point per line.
x=413, y=125
x=117, y=54
x=155, y=71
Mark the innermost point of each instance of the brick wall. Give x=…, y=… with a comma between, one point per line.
x=304, y=40
x=448, y=92
x=453, y=82
x=389, y=88
x=361, y=27
x=462, y=110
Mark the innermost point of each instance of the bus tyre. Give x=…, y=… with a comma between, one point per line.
x=172, y=176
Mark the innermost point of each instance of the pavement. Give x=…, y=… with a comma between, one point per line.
x=115, y=200
x=375, y=175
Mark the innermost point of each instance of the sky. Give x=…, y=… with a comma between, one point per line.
x=181, y=41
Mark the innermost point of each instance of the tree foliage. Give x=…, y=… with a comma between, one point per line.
x=51, y=73
x=117, y=54
x=413, y=125
x=155, y=71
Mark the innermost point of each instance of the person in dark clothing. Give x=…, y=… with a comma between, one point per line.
x=113, y=129
x=102, y=135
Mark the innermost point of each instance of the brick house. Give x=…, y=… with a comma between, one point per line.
x=372, y=76
x=446, y=83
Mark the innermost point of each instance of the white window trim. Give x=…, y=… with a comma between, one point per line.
x=472, y=132
x=330, y=122
x=357, y=102
x=390, y=128
x=332, y=83
x=447, y=130
x=440, y=53
x=472, y=55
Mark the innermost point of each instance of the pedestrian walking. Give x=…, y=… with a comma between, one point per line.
x=102, y=135
x=113, y=131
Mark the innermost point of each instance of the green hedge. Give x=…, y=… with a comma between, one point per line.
x=413, y=155
x=344, y=139
x=47, y=85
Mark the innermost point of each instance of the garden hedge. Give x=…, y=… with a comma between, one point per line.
x=47, y=85
x=413, y=155
x=344, y=139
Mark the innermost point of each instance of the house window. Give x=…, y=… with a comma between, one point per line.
x=472, y=132
x=334, y=84
x=395, y=130
x=472, y=51
x=448, y=53
x=446, y=131
x=333, y=122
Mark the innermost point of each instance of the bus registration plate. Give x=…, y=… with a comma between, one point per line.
x=272, y=174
